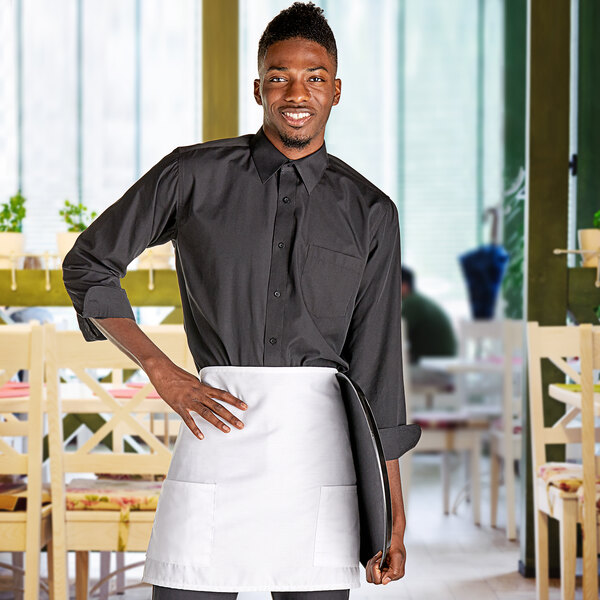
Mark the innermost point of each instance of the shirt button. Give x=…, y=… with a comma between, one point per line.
x=277, y=293
x=272, y=340
x=286, y=199
x=281, y=244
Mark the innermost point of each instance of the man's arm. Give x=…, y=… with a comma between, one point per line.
x=145, y=216
x=178, y=388
x=395, y=565
x=373, y=349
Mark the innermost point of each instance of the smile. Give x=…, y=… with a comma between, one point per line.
x=296, y=119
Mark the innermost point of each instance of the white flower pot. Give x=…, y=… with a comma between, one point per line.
x=11, y=243
x=65, y=241
x=157, y=257
x=589, y=239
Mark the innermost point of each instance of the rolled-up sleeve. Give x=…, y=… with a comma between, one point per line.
x=145, y=216
x=373, y=345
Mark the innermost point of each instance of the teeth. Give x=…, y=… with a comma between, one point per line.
x=297, y=116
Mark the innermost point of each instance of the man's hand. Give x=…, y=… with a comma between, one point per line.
x=183, y=392
x=393, y=567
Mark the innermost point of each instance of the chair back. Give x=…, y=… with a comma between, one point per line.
x=126, y=426
x=555, y=344
x=498, y=342
x=21, y=418
x=21, y=430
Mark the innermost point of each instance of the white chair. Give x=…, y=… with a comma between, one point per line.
x=505, y=434
x=556, y=485
x=444, y=432
x=21, y=429
x=108, y=529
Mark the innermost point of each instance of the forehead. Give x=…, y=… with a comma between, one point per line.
x=297, y=53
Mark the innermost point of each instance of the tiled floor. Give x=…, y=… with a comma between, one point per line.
x=448, y=558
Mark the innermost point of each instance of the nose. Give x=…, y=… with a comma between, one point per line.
x=296, y=91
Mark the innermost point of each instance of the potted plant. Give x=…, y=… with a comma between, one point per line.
x=589, y=239
x=77, y=218
x=12, y=240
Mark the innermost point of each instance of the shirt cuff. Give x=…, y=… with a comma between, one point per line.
x=102, y=302
x=398, y=440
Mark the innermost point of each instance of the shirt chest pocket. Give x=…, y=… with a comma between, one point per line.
x=330, y=281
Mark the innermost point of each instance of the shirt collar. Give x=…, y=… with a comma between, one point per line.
x=268, y=160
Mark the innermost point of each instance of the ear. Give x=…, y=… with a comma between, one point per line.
x=338, y=91
x=257, y=95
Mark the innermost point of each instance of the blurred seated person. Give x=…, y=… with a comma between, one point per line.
x=429, y=333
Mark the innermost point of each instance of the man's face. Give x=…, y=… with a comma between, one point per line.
x=297, y=88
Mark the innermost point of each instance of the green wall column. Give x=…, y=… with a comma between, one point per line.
x=588, y=114
x=546, y=214
x=515, y=62
x=219, y=69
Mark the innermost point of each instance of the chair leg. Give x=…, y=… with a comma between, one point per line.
x=82, y=559
x=475, y=482
x=446, y=480
x=50, y=567
x=509, y=491
x=494, y=481
x=568, y=550
x=104, y=571
x=541, y=555
x=121, y=574
x=467, y=467
x=18, y=580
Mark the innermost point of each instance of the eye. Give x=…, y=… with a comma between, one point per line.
x=316, y=78
x=276, y=79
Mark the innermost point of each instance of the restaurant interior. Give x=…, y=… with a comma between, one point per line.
x=478, y=118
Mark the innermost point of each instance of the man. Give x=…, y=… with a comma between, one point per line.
x=430, y=332
x=288, y=263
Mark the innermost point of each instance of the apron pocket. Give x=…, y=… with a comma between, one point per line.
x=184, y=523
x=337, y=533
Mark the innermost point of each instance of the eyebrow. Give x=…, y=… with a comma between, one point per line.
x=321, y=68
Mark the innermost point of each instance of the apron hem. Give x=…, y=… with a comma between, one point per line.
x=349, y=579
x=253, y=588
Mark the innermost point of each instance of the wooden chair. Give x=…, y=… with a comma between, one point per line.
x=103, y=530
x=556, y=484
x=589, y=493
x=23, y=529
x=505, y=434
x=444, y=432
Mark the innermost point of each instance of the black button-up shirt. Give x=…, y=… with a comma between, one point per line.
x=280, y=263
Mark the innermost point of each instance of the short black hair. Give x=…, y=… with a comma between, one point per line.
x=300, y=20
x=408, y=277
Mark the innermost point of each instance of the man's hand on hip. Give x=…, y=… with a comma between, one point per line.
x=184, y=393
x=181, y=390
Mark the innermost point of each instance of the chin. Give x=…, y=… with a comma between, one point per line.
x=297, y=142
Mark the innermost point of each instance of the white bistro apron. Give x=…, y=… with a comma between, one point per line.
x=272, y=506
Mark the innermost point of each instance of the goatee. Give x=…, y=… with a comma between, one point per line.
x=296, y=143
